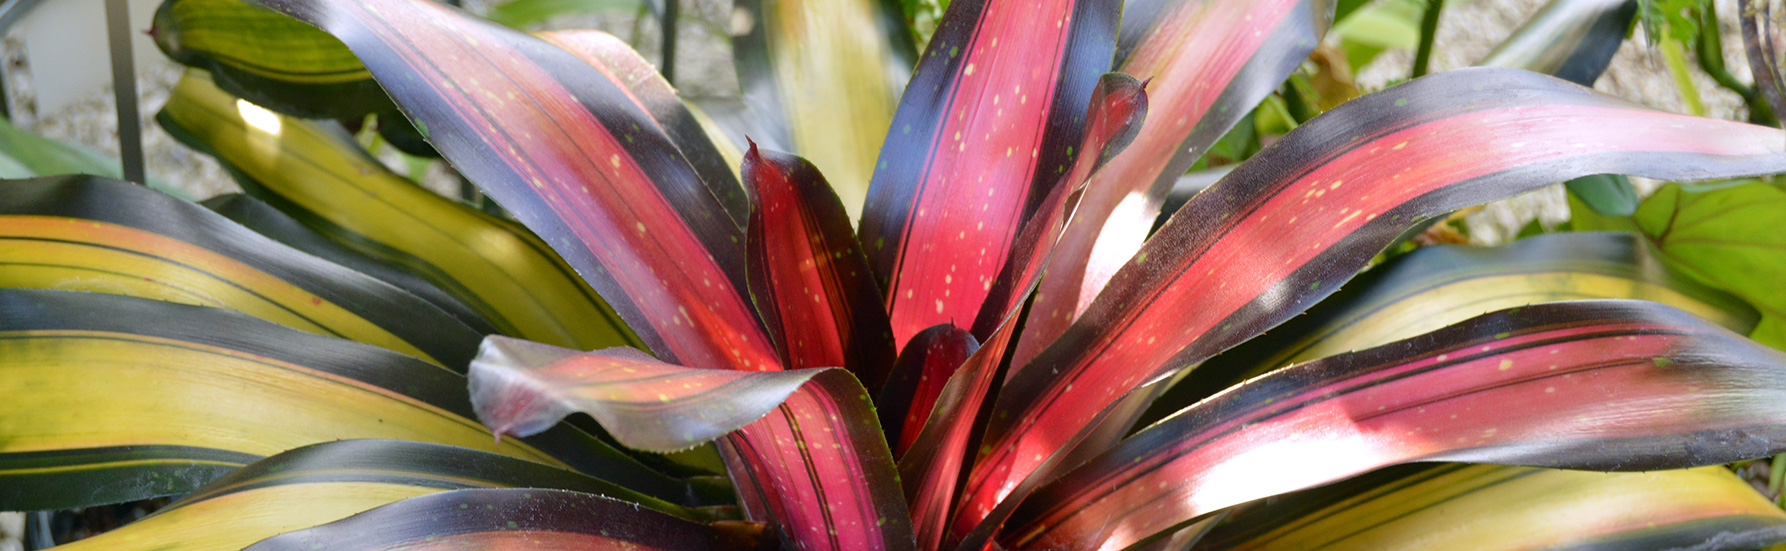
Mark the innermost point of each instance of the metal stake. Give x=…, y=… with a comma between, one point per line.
x=130, y=130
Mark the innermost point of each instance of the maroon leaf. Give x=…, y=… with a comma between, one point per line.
x=562, y=146
x=985, y=128
x=928, y=361
x=1604, y=385
x=1210, y=62
x=810, y=281
x=1285, y=228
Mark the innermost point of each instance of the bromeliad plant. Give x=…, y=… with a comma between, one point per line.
x=962, y=370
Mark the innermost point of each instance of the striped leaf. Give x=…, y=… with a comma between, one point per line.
x=1287, y=227
x=321, y=178
x=323, y=483
x=826, y=76
x=808, y=276
x=1436, y=286
x=918, y=376
x=1209, y=62
x=1571, y=39
x=1496, y=508
x=115, y=398
x=1604, y=385
x=985, y=129
x=84, y=233
x=268, y=58
x=513, y=519
x=561, y=145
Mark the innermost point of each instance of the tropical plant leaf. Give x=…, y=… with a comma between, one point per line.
x=937, y=459
x=573, y=158
x=521, y=388
x=85, y=233
x=918, y=376
x=988, y=120
x=1436, y=286
x=33, y=155
x=1243, y=50
x=268, y=58
x=1497, y=508
x=115, y=398
x=322, y=483
x=648, y=89
x=525, y=13
x=813, y=64
x=1571, y=39
x=808, y=275
x=1605, y=385
x=255, y=215
x=1268, y=241
x=517, y=519
x=1727, y=237
x=802, y=446
x=321, y=178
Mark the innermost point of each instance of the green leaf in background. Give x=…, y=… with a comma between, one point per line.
x=24, y=154
x=1728, y=236
x=524, y=13
x=1607, y=194
x=1378, y=26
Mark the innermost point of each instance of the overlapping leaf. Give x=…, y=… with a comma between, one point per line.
x=802, y=446
x=517, y=519
x=826, y=75
x=1436, y=286
x=926, y=364
x=1571, y=39
x=270, y=59
x=560, y=145
x=1208, y=62
x=808, y=275
x=1495, y=508
x=985, y=129
x=86, y=233
x=1285, y=228
x=322, y=483
x=322, y=179
x=1605, y=385
x=115, y=398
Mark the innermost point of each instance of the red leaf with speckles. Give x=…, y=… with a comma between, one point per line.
x=1602, y=385
x=1243, y=50
x=1288, y=226
x=803, y=446
x=563, y=146
x=925, y=365
x=810, y=281
x=985, y=129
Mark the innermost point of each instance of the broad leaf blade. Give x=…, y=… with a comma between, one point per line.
x=1287, y=227
x=505, y=519
x=84, y=233
x=1571, y=39
x=320, y=177
x=322, y=483
x=808, y=275
x=1727, y=237
x=268, y=58
x=124, y=398
x=929, y=359
x=802, y=446
x=1208, y=62
x=1606, y=385
x=983, y=132
x=560, y=145
x=829, y=73
x=1496, y=508
x=1436, y=286
x=521, y=388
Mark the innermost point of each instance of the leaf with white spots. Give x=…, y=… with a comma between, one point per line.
x=1602, y=385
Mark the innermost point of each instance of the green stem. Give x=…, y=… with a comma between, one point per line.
x=1429, y=28
x=1711, y=59
x=1676, y=60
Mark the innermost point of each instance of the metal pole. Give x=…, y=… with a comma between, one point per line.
x=130, y=131
x=668, y=23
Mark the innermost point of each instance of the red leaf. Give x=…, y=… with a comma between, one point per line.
x=1287, y=227
x=983, y=132
x=925, y=365
x=1603, y=385
x=564, y=148
x=1210, y=62
x=811, y=284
